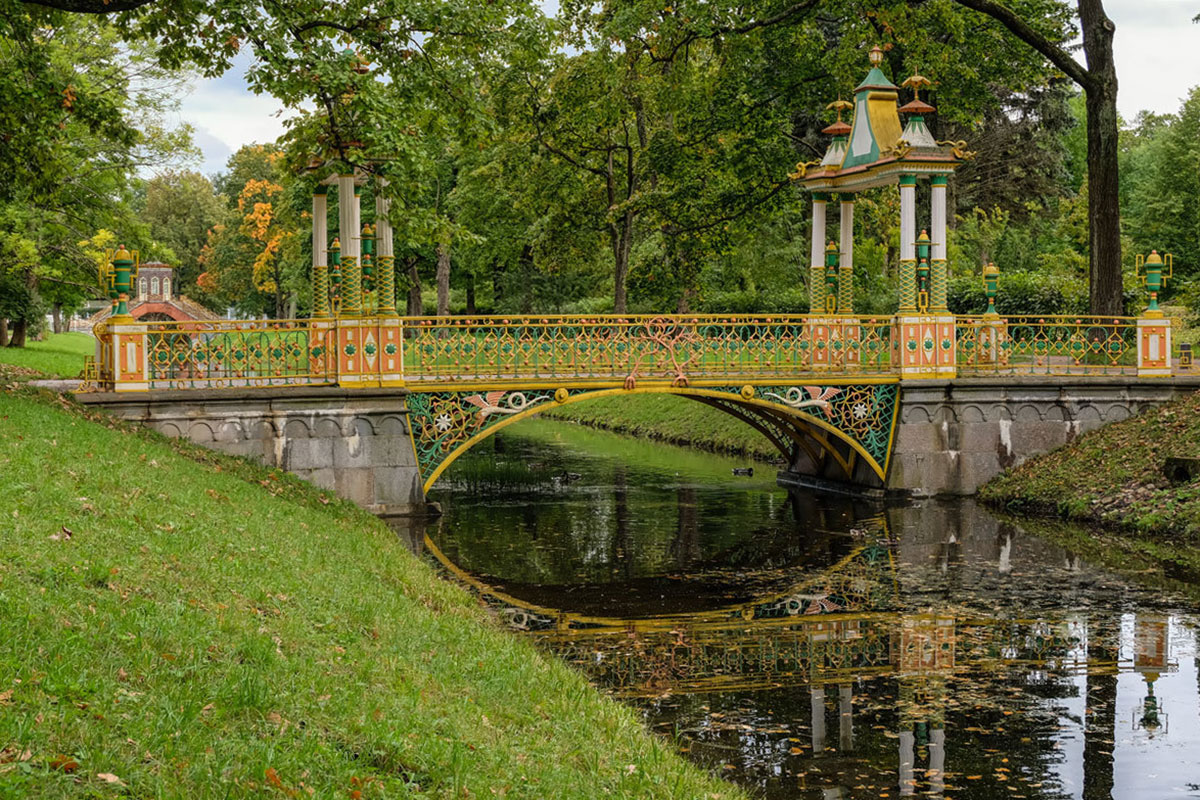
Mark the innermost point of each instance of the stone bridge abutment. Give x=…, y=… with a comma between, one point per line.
x=950, y=436
x=355, y=442
x=953, y=436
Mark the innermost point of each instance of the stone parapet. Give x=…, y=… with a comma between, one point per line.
x=356, y=443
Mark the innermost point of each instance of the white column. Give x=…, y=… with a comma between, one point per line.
x=937, y=761
x=383, y=228
x=320, y=230
x=356, y=224
x=847, y=242
x=907, y=773
x=845, y=718
x=937, y=226
x=817, y=701
x=347, y=233
x=817, y=258
x=908, y=222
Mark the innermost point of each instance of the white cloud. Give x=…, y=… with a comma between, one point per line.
x=1157, y=50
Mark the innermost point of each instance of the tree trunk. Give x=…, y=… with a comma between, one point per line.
x=622, y=243
x=1099, y=83
x=1106, y=293
x=527, y=274
x=471, y=294
x=415, y=306
x=56, y=316
x=443, y=279
x=17, y=337
x=497, y=284
x=3, y=332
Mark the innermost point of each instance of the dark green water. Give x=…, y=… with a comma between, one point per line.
x=814, y=647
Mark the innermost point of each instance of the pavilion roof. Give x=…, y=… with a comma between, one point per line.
x=875, y=149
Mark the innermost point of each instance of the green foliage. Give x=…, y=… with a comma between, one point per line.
x=181, y=208
x=80, y=114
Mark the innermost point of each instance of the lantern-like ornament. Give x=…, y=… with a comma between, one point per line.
x=335, y=275
x=368, y=258
x=123, y=269
x=1154, y=271
x=923, y=279
x=991, y=286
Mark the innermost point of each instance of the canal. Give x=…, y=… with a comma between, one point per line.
x=812, y=646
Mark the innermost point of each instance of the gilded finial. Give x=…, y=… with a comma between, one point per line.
x=839, y=106
x=876, y=56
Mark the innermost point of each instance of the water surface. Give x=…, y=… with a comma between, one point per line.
x=817, y=647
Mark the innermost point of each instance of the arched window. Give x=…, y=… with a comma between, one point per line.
x=142, y=289
x=166, y=287
x=154, y=286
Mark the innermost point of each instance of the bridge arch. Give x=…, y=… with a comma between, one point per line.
x=838, y=431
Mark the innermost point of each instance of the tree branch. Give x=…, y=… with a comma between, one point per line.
x=90, y=6
x=1018, y=27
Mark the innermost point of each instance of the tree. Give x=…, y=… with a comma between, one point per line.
x=181, y=207
x=80, y=115
x=1099, y=83
x=253, y=259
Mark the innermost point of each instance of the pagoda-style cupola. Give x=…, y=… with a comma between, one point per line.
x=916, y=133
x=840, y=131
x=875, y=127
x=870, y=151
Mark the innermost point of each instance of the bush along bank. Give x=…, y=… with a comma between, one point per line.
x=178, y=623
x=670, y=418
x=1114, y=477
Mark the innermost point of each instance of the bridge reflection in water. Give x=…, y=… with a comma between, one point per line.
x=929, y=650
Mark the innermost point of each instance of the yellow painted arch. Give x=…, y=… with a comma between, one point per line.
x=687, y=391
x=719, y=618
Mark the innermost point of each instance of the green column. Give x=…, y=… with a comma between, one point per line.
x=368, y=269
x=335, y=277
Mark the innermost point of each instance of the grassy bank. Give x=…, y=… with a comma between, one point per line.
x=670, y=418
x=60, y=356
x=181, y=624
x=1113, y=477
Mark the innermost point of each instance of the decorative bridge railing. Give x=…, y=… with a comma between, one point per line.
x=497, y=352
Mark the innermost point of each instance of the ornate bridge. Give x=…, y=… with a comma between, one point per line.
x=824, y=390
x=824, y=387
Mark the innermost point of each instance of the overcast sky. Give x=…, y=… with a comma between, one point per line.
x=1157, y=53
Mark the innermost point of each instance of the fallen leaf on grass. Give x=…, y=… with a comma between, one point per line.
x=6, y=697
x=108, y=777
x=64, y=763
x=63, y=535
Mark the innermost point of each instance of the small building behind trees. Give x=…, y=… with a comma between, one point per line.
x=155, y=298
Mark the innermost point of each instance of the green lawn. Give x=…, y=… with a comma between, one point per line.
x=670, y=418
x=60, y=356
x=182, y=624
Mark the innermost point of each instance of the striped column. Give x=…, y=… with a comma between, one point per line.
x=348, y=233
x=385, y=258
